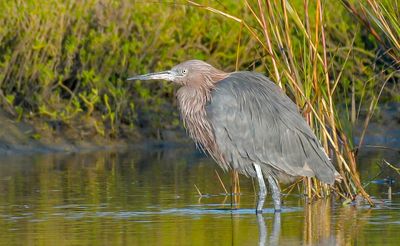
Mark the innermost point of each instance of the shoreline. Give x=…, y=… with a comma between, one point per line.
x=24, y=138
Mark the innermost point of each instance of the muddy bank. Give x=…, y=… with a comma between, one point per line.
x=36, y=137
x=24, y=138
x=43, y=137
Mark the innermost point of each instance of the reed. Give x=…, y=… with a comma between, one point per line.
x=381, y=19
x=294, y=50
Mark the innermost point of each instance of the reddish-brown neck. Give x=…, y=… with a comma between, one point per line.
x=192, y=100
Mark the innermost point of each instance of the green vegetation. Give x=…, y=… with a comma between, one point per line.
x=67, y=61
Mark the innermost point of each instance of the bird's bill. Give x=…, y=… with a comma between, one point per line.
x=165, y=75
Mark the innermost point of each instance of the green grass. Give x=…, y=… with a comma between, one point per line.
x=68, y=60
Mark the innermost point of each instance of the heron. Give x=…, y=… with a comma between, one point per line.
x=245, y=122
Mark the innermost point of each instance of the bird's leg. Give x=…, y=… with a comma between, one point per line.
x=262, y=188
x=276, y=193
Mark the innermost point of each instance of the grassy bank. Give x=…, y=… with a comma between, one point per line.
x=63, y=64
x=67, y=61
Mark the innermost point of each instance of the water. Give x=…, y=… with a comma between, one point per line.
x=148, y=198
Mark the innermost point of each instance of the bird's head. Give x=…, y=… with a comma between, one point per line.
x=188, y=73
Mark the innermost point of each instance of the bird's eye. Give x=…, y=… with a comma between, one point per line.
x=184, y=71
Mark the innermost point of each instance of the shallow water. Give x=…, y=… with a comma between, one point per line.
x=149, y=198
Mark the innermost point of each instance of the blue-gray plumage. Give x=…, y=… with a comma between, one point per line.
x=245, y=122
x=254, y=121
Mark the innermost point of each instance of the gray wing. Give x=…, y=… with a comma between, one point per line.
x=254, y=121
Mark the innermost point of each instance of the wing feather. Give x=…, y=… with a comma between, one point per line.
x=254, y=121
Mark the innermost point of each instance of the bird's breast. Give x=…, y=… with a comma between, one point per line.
x=192, y=105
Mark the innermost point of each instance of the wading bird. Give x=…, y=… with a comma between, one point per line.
x=246, y=123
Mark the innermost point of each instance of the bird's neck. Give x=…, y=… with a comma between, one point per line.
x=206, y=80
x=194, y=96
x=192, y=102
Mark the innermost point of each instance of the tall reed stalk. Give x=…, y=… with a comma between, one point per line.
x=293, y=45
x=381, y=19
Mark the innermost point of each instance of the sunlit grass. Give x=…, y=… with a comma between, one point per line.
x=381, y=19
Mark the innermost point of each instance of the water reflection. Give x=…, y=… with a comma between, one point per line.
x=148, y=198
x=262, y=230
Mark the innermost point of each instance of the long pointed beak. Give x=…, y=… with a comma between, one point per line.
x=165, y=75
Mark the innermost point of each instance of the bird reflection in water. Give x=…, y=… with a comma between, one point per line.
x=320, y=223
x=273, y=239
